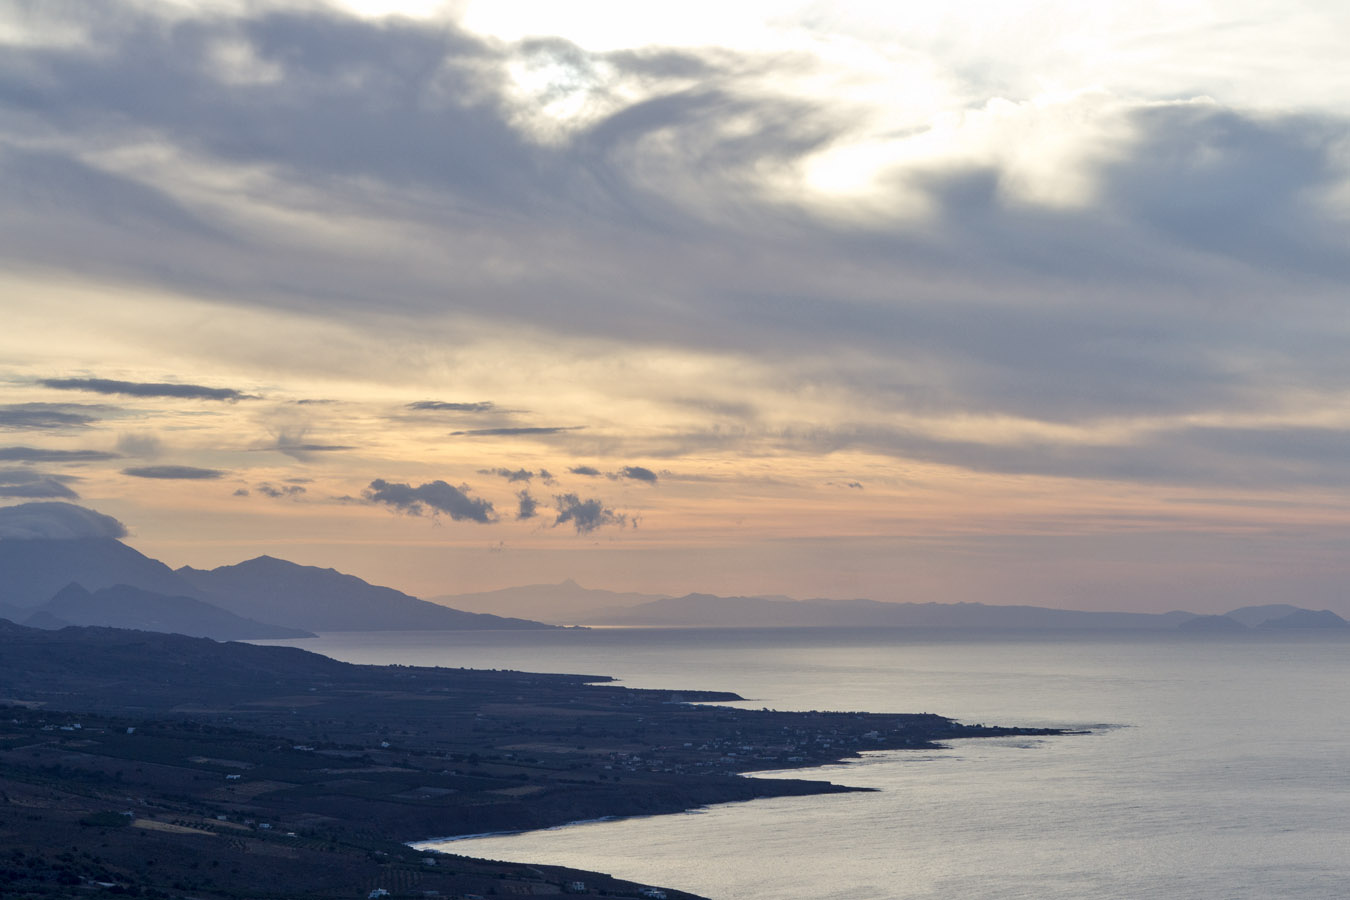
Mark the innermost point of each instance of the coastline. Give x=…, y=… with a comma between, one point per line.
x=344, y=769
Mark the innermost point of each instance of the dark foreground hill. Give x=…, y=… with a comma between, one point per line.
x=248, y=771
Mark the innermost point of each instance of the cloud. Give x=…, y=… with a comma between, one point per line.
x=56, y=521
x=145, y=389
x=290, y=433
x=638, y=473
x=301, y=450
x=588, y=471
x=286, y=490
x=144, y=445
x=585, y=515
x=187, y=473
x=952, y=291
x=438, y=405
x=438, y=495
x=512, y=432
x=46, y=416
x=508, y=474
x=529, y=506
x=37, y=454
x=35, y=485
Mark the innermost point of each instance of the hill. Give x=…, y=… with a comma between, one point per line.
x=35, y=569
x=124, y=606
x=315, y=599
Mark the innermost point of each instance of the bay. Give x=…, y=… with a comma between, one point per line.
x=1216, y=767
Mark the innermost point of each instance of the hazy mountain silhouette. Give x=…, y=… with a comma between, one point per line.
x=124, y=606
x=34, y=570
x=561, y=604
x=309, y=597
x=1252, y=616
x=1215, y=624
x=713, y=611
x=1307, y=618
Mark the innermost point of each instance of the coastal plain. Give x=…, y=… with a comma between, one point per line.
x=166, y=766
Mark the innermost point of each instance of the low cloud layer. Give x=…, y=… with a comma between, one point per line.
x=184, y=473
x=145, y=389
x=436, y=496
x=56, y=521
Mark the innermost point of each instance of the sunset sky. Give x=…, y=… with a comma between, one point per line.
x=1004, y=302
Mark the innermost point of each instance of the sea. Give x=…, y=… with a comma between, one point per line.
x=1213, y=767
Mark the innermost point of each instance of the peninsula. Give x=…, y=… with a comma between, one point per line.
x=175, y=766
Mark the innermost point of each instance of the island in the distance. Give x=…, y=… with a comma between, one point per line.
x=173, y=766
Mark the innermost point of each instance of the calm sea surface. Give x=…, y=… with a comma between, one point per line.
x=1217, y=767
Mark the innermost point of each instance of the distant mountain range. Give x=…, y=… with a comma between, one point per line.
x=124, y=606
x=570, y=604
x=54, y=582
x=565, y=603
x=51, y=582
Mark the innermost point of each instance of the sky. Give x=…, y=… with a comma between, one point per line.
x=1016, y=302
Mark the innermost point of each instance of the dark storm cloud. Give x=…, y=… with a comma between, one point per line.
x=38, y=454
x=588, y=471
x=638, y=473
x=585, y=515
x=438, y=496
x=513, y=432
x=46, y=416
x=443, y=406
x=145, y=389
x=528, y=507
x=56, y=521
x=1205, y=277
x=184, y=473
